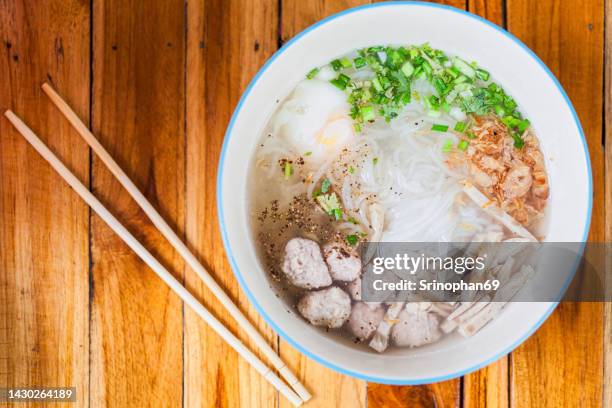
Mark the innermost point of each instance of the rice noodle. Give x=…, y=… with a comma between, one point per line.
x=410, y=180
x=400, y=167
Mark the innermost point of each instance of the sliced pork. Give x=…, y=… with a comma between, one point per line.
x=416, y=326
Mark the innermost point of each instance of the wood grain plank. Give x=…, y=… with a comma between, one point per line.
x=442, y=394
x=562, y=364
x=330, y=389
x=492, y=10
x=138, y=115
x=298, y=15
x=227, y=42
x=607, y=394
x=43, y=280
x=460, y=4
x=487, y=387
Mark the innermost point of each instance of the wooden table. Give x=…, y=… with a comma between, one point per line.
x=158, y=80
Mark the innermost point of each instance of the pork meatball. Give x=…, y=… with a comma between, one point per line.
x=364, y=319
x=416, y=327
x=304, y=266
x=344, y=264
x=327, y=307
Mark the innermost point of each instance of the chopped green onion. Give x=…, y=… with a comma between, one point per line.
x=452, y=71
x=346, y=63
x=407, y=68
x=380, y=99
x=515, y=123
x=338, y=84
x=336, y=65
x=500, y=111
x=288, y=170
x=307, y=153
x=352, y=240
x=405, y=98
x=384, y=81
x=330, y=204
x=417, y=71
x=341, y=82
x=312, y=73
x=460, y=126
x=523, y=125
x=394, y=58
x=463, y=145
x=439, y=85
x=482, y=74
x=367, y=113
x=471, y=135
x=377, y=85
x=434, y=101
x=351, y=170
x=509, y=103
x=457, y=84
x=518, y=141
x=510, y=121
x=359, y=62
x=461, y=79
x=325, y=185
x=375, y=161
x=447, y=146
x=464, y=67
x=439, y=128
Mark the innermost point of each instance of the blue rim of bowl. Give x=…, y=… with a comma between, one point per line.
x=230, y=255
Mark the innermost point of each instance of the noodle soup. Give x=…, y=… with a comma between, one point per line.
x=389, y=144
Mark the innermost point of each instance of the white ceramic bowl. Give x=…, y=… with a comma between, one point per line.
x=515, y=67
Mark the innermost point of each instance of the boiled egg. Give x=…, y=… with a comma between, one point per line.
x=314, y=121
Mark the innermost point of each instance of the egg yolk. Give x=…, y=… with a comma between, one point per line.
x=335, y=134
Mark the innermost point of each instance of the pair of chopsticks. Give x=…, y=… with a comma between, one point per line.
x=296, y=393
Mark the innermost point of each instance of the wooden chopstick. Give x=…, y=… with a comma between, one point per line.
x=176, y=242
x=150, y=260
